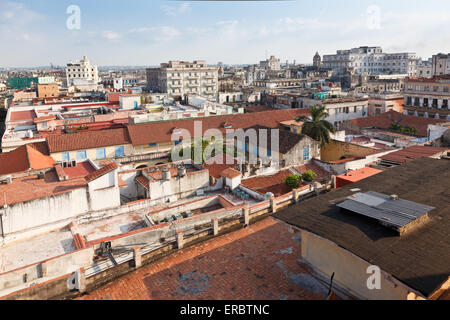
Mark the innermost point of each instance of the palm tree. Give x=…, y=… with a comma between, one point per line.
x=316, y=126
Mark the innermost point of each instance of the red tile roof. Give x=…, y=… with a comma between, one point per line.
x=218, y=164
x=44, y=118
x=80, y=170
x=88, y=140
x=414, y=152
x=319, y=171
x=384, y=121
x=141, y=134
x=101, y=172
x=22, y=115
x=22, y=159
x=231, y=173
x=31, y=188
x=271, y=183
x=143, y=181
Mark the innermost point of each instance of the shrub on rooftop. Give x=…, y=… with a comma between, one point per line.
x=293, y=181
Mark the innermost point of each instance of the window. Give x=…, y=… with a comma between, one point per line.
x=269, y=152
x=66, y=156
x=120, y=152
x=177, y=142
x=101, y=154
x=81, y=155
x=152, y=145
x=306, y=154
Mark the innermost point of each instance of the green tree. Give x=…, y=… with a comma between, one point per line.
x=293, y=181
x=309, y=176
x=316, y=126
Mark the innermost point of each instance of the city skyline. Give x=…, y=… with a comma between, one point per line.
x=113, y=33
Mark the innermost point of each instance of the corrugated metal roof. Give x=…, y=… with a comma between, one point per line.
x=383, y=208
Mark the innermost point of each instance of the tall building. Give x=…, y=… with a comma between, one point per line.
x=272, y=64
x=81, y=72
x=372, y=60
x=440, y=64
x=317, y=60
x=178, y=78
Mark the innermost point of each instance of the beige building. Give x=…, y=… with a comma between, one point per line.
x=428, y=98
x=48, y=90
x=179, y=78
x=81, y=73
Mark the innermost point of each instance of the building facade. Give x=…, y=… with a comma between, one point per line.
x=372, y=60
x=179, y=78
x=440, y=64
x=428, y=97
x=81, y=71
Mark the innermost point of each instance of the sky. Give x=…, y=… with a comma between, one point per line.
x=148, y=32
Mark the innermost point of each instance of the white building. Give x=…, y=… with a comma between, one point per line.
x=178, y=78
x=372, y=60
x=82, y=73
x=271, y=64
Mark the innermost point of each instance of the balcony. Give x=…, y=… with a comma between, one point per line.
x=175, y=78
x=209, y=76
x=192, y=77
x=193, y=85
x=143, y=157
x=210, y=84
x=176, y=85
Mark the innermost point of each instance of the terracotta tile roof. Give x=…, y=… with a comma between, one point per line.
x=22, y=115
x=286, y=139
x=385, y=120
x=414, y=152
x=257, y=108
x=88, y=140
x=142, y=180
x=319, y=171
x=122, y=183
x=80, y=170
x=22, y=159
x=141, y=134
x=44, y=118
x=31, y=188
x=230, y=173
x=42, y=147
x=157, y=175
x=271, y=183
x=100, y=172
x=218, y=164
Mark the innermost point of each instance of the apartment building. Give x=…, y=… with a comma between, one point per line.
x=428, y=97
x=180, y=78
x=440, y=64
x=372, y=60
x=81, y=72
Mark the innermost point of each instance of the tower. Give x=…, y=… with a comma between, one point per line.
x=317, y=60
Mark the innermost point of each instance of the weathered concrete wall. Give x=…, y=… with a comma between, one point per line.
x=337, y=149
x=350, y=271
x=30, y=214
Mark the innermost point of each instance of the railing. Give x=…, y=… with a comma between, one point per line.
x=143, y=157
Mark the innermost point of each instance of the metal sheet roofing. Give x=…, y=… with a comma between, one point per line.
x=381, y=207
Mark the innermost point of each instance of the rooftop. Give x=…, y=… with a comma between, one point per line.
x=259, y=262
x=385, y=120
x=269, y=183
x=407, y=258
x=414, y=152
x=31, y=188
x=360, y=174
x=22, y=159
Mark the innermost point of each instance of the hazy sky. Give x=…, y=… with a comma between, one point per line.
x=147, y=32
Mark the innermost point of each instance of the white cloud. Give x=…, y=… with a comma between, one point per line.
x=174, y=11
x=160, y=33
x=111, y=35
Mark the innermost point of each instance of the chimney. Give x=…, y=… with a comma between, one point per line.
x=394, y=197
x=8, y=179
x=181, y=171
x=166, y=174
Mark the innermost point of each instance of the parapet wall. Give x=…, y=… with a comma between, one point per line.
x=75, y=273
